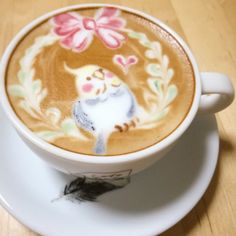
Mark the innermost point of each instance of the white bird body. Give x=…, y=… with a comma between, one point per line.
x=104, y=103
x=109, y=111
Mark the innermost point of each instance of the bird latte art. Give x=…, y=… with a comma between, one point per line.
x=100, y=81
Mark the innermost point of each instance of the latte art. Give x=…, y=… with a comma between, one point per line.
x=100, y=81
x=100, y=94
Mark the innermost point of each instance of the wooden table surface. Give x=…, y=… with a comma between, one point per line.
x=209, y=27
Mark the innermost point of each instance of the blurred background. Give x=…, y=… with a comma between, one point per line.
x=209, y=27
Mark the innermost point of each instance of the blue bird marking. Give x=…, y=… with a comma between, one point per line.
x=82, y=118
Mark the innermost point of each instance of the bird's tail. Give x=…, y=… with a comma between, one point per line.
x=100, y=146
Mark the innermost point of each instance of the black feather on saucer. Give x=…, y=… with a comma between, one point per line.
x=86, y=189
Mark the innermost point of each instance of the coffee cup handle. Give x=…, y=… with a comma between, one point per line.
x=217, y=92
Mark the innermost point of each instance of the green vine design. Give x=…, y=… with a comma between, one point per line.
x=31, y=95
x=160, y=78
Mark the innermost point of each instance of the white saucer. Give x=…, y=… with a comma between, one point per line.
x=154, y=201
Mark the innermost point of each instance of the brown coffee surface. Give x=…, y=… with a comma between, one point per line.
x=48, y=66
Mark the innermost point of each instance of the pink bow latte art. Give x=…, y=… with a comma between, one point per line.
x=77, y=32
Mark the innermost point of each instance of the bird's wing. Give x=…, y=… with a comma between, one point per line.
x=132, y=109
x=92, y=102
x=82, y=118
x=117, y=93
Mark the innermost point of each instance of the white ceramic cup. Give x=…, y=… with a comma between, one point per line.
x=213, y=92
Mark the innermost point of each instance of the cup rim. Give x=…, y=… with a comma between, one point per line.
x=97, y=159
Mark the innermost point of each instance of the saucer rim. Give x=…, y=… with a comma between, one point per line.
x=198, y=195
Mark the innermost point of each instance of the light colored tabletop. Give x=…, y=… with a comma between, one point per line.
x=209, y=27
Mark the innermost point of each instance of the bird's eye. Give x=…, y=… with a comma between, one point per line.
x=98, y=74
x=88, y=78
